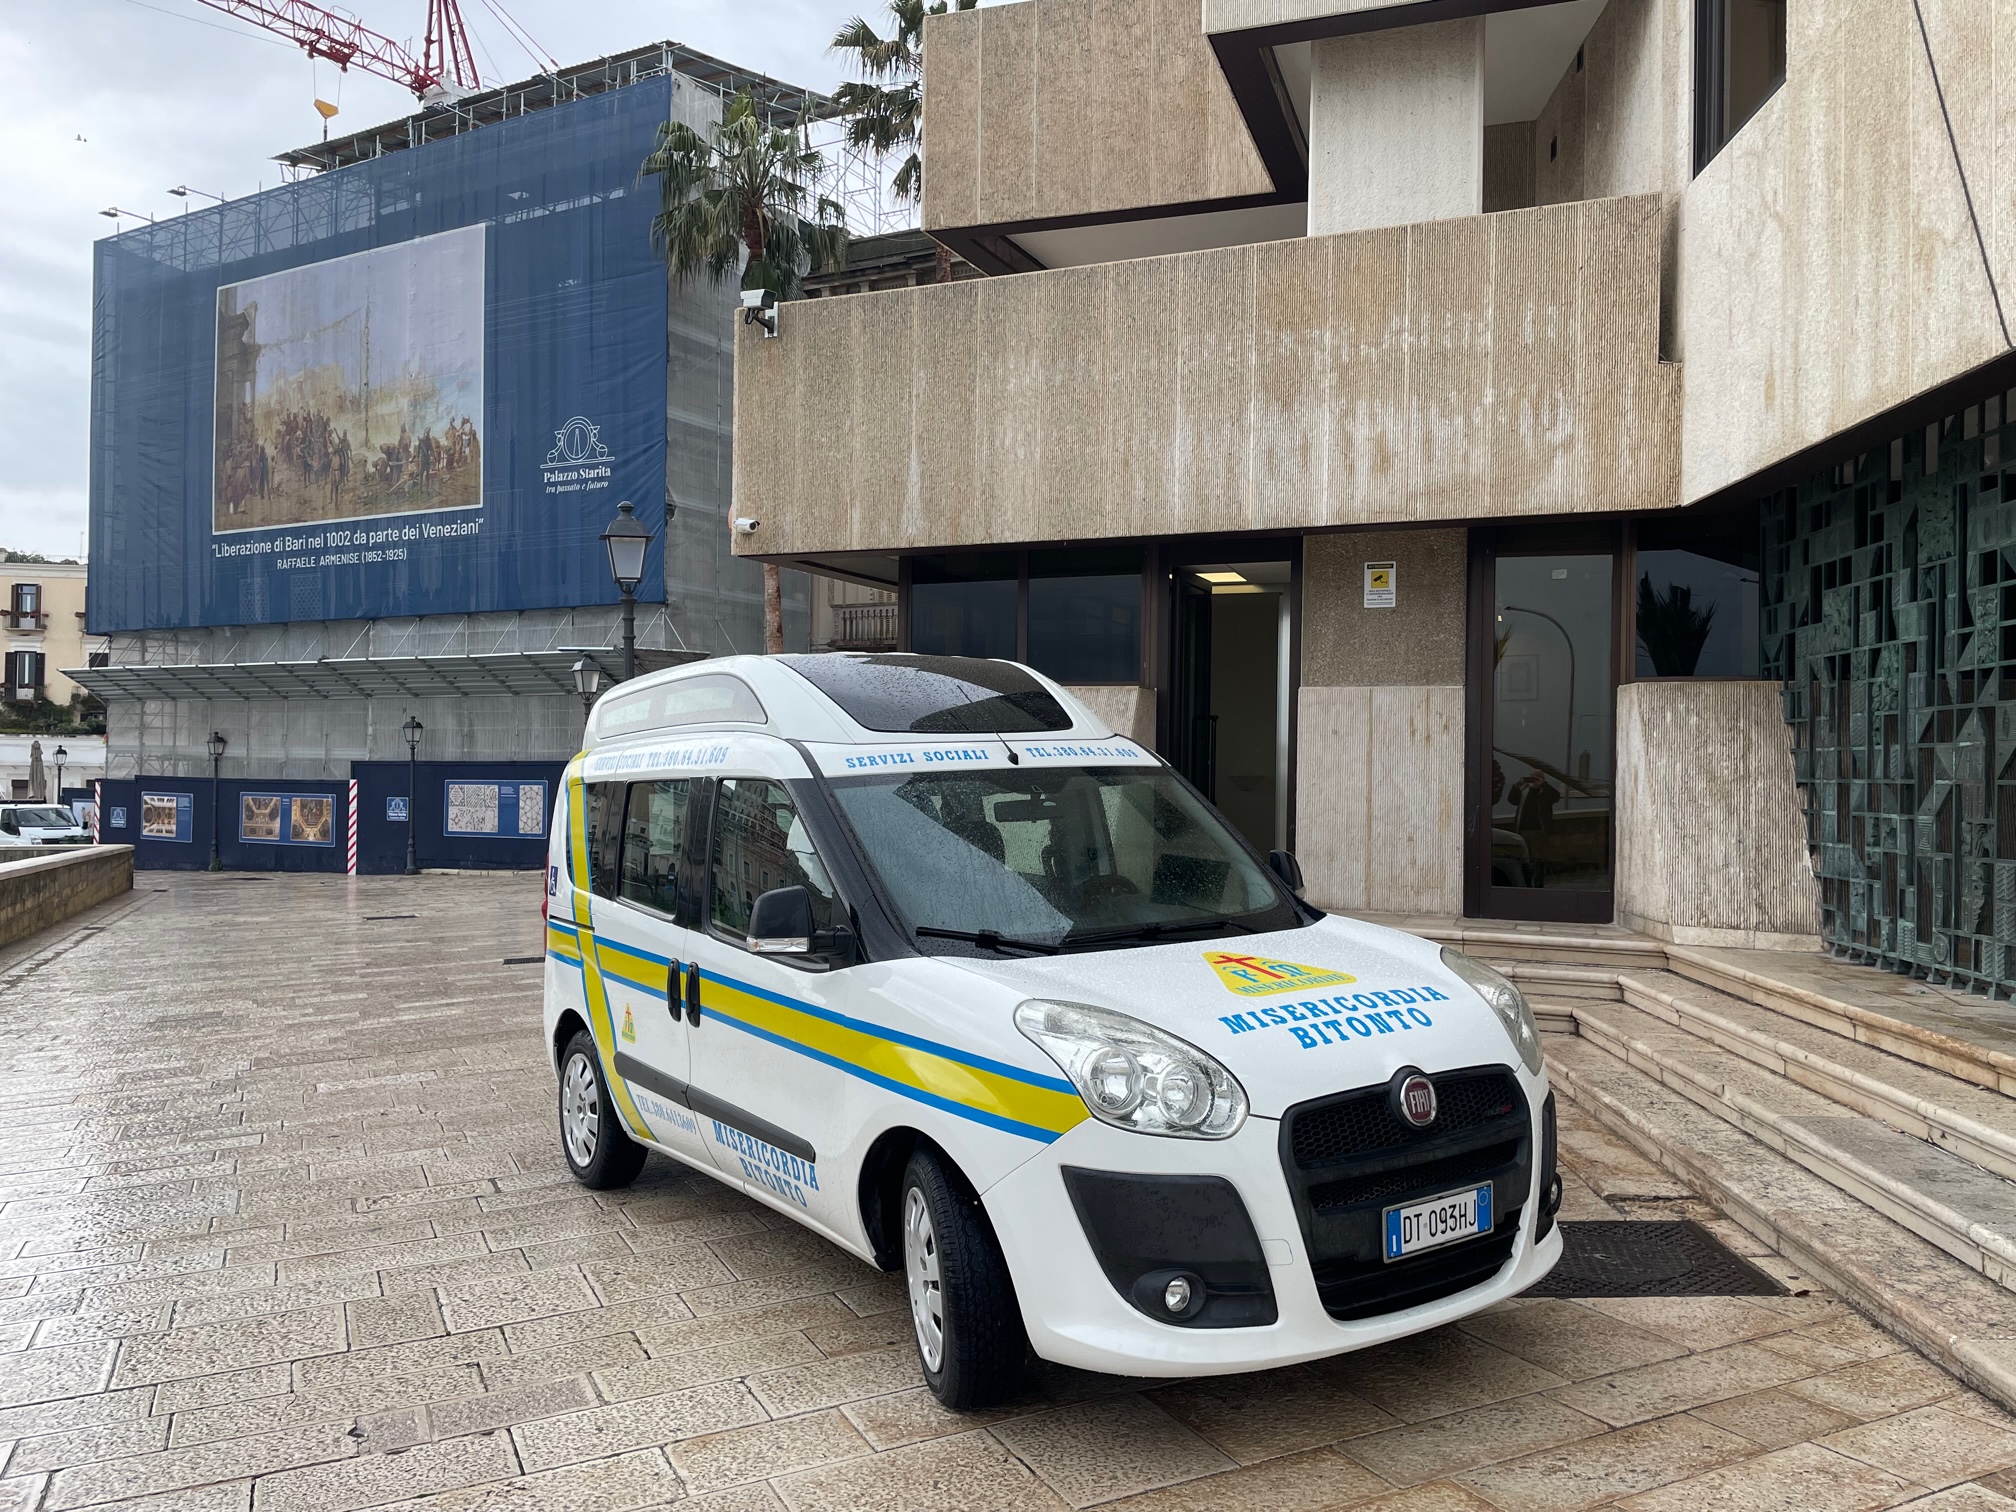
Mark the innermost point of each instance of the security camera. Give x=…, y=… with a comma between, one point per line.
x=759, y=308
x=745, y=525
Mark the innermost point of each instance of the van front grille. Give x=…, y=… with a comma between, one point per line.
x=1349, y=1157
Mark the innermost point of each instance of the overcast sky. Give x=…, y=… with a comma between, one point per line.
x=113, y=102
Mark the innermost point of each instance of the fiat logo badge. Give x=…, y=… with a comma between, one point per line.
x=1417, y=1100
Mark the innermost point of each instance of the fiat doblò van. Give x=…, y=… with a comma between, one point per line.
x=917, y=951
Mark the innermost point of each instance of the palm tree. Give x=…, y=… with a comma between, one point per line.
x=885, y=111
x=744, y=197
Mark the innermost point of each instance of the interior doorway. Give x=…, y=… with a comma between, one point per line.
x=1543, y=680
x=1232, y=690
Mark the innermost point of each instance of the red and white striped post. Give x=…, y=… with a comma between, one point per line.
x=353, y=826
x=97, y=808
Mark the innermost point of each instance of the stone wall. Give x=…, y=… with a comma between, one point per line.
x=1711, y=836
x=1129, y=710
x=1493, y=366
x=46, y=890
x=1379, y=753
x=1077, y=107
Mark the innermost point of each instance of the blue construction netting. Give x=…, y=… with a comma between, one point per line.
x=419, y=384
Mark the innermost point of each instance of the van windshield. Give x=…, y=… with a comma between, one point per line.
x=1059, y=859
x=44, y=818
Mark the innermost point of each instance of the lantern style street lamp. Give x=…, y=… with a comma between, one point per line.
x=587, y=682
x=217, y=742
x=60, y=753
x=412, y=730
x=626, y=539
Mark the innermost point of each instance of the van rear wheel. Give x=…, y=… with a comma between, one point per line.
x=970, y=1339
x=599, y=1151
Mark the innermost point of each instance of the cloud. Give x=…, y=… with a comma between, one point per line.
x=170, y=92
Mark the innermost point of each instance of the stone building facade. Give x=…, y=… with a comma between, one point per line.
x=1542, y=462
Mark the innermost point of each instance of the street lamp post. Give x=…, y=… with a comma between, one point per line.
x=217, y=742
x=626, y=539
x=60, y=753
x=587, y=682
x=412, y=729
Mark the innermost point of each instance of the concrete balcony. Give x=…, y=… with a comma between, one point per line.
x=1487, y=367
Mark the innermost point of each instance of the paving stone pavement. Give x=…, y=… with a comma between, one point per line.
x=284, y=1228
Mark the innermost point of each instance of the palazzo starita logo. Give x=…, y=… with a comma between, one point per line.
x=578, y=462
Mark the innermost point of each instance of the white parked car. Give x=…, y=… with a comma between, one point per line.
x=40, y=824
x=917, y=951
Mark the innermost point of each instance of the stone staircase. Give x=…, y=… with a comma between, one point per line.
x=1859, y=1123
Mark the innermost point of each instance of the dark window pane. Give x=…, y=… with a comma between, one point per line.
x=605, y=834
x=760, y=843
x=932, y=695
x=963, y=619
x=1697, y=616
x=653, y=830
x=1551, y=730
x=1739, y=62
x=1086, y=629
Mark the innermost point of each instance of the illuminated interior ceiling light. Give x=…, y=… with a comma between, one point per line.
x=1222, y=577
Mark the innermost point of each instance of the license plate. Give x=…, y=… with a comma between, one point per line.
x=1417, y=1226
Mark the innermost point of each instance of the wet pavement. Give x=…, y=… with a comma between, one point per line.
x=284, y=1226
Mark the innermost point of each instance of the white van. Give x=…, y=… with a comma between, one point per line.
x=40, y=824
x=917, y=951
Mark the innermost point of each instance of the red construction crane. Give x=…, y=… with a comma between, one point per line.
x=446, y=61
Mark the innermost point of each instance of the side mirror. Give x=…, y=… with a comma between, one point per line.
x=1284, y=865
x=781, y=922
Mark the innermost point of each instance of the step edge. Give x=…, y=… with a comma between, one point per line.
x=1799, y=1242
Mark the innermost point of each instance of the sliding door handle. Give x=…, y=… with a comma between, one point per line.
x=690, y=975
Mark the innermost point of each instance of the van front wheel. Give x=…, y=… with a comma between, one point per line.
x=599, y=1152
x=962, y=1302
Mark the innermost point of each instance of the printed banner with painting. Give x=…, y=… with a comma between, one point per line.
x=416, y=385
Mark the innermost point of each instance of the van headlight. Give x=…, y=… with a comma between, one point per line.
x=1507, y=1001
x=1134, y=1076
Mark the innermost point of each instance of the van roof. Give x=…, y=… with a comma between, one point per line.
x=846, y=698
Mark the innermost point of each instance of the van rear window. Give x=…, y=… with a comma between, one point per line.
x=933, y=695
x=712, y=698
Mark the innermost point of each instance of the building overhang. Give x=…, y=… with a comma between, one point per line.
x=494, y=674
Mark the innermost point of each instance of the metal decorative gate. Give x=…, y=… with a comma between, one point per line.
x=1889, y=613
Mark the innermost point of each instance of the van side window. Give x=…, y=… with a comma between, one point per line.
x=654, y=831
x=605, y=835
x=761, y=843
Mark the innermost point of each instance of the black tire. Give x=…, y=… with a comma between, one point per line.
x=599, y=1150
x=982, y=1348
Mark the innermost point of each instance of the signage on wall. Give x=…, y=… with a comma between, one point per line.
x=395, y=809
x=1382, y=585
x=117, y=819
x=502, y=810
x=287, y=819
x=166, y=816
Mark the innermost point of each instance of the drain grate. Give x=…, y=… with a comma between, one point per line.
x=379, y=918
x=1651, y=1260
x=524, y=960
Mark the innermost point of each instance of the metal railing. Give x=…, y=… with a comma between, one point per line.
x=864, y=627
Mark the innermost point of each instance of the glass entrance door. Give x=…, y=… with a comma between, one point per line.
x=1543, y=685
x=1232, y=690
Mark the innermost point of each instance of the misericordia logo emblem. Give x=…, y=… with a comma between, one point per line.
x=1262, y=976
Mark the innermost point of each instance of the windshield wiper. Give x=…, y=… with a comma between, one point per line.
x=986, y=939
x=1160, y=929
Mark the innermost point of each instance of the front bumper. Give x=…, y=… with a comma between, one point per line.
x=1075, y=1316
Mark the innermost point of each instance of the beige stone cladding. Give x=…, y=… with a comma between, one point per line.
x=1617, y=123
x=1077, y=107
x=1493, y=366
x=1379, y=749
x=1711, y=838
x=42, y=891
x=1129, y=710
x=1828, y=266
x=1243, y=15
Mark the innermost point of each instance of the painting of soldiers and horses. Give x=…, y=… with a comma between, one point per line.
x=352, y=387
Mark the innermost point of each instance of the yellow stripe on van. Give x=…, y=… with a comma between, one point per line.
x=561, y=941
x=599, y=1026
x=988, y=1097
x=639, y=971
